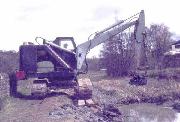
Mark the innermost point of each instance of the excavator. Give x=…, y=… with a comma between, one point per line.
x=58, y=63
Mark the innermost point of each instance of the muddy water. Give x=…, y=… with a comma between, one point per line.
x=149, y=113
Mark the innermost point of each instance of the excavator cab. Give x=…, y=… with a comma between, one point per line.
x=66, y=43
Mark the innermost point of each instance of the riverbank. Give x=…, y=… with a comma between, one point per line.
x=115, y=98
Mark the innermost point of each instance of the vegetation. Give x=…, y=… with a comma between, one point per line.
x=9, y=61
x=158, y=42
x=118, y=54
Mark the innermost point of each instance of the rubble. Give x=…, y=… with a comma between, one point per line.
x=106, y=113
x=80, y=114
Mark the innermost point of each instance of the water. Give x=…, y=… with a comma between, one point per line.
x=177, y=117
x=149, y=113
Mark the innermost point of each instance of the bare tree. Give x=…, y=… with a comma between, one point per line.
x=157, y=42
x=117, y=55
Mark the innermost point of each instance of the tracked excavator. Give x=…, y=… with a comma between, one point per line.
x=57, y=64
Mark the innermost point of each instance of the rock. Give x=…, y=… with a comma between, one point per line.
x=138, y=80
x=109, y=113
x=90, y=102
x=176, y=106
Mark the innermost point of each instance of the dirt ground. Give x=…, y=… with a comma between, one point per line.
x=107, y=93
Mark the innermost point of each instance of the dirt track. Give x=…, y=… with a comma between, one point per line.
x=107, y=91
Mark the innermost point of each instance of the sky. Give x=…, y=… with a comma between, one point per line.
x=23, y=20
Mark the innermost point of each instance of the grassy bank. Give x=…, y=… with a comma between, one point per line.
x=118, y=90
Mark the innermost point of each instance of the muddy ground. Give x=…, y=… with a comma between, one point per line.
x=109, y=94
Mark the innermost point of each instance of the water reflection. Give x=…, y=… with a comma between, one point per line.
x=177, y=117
x=149, y=113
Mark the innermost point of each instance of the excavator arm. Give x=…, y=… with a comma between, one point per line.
x=111, y=31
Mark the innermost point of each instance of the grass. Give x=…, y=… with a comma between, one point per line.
x=169, y=73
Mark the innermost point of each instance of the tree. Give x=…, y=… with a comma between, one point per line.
x=157, y=42
x=117, y=55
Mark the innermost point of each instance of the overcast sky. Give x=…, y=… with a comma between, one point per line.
x=23, y=20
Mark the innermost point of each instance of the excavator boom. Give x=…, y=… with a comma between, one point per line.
x=109, y=32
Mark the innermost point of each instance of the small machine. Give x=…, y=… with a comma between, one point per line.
x=172, y=57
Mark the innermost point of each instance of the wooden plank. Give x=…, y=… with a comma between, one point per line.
x=90, y=102
x=81, y=102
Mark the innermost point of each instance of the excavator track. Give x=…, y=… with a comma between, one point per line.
x=39, y=88
x=82, y=91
